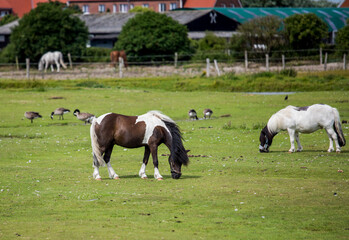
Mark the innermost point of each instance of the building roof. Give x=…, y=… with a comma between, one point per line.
x=335, y=18
x=200, y=3
x=344, y=4
x=21, y=7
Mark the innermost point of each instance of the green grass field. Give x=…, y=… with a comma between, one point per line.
x=228, y=191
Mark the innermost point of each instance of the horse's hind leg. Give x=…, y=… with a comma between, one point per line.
x=106, y=158
x=332, y=137
x=145, y=162
x=96, y=169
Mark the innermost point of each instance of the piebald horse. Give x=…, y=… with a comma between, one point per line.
x=148, y=130
x=50, y=58
x=303, y=120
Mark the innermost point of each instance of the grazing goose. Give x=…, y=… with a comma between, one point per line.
x=60, y=112
x=207, y=113
x=192, y=114
x=87, y=117
x=32, y=115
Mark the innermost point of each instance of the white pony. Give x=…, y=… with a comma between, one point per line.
x=303, y=120
x=51, y=58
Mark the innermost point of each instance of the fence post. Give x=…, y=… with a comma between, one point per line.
x=344, y=61
x=246, y=60
x=267, y=62
x=121, y=64
x=176, y=59
x=320, y=56
x=17, y=64
x=283, y=62
x=70, y=62
x=229, y=52
x=207, y=67
x=216, y=66
x=27, y=61
x=325, y=65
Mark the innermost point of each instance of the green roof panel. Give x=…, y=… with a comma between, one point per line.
x=335, y=18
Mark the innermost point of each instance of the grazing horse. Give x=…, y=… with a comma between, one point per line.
x=114, y=57
x=303, y=120
x=50, y=58
x=148, y=130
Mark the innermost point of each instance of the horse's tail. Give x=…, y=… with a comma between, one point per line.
x=178, y=152
x=338, y=128
x=61, y=60
x=96, y=151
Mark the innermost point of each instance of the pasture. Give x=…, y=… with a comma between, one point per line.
x=228, y=191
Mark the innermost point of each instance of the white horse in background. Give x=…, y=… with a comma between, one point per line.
x=303, y=120
x=51, y=58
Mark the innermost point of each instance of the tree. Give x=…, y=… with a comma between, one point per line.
x=153, y=35
x=288, y=3
x=212, y=47
x=305, y=31
x=342, y=39
x=49, y=27
x=261, y=34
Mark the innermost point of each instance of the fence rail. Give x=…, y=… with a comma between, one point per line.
x=253, y=61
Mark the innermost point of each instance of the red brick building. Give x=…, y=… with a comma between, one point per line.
x=123, y=6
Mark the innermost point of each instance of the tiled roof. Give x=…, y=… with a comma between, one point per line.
x=200, y=3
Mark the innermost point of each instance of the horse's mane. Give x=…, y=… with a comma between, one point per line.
x=178, y=151
x=160, y=115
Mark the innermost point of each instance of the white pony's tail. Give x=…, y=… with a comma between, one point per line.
x=61, y=60
x=96, y=151
x=338, y=128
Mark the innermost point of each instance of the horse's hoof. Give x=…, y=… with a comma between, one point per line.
x=144, y=177
x=99, y=179
x=116, y=178
x=160, y=179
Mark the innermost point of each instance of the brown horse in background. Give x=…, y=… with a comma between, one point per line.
x=114, y=57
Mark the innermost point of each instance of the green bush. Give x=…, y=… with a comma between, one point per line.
x=289, y=72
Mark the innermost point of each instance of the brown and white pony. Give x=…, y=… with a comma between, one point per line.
x=114, y=57
x=148, y=130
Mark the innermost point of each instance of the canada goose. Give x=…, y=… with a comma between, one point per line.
x=60, y=112
x=192, y=114
x=87, y=117
x=207, y=113
x=32, y=115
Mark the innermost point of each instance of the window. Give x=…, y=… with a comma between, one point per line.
x=123, y=8
x=2, y=38
x=162, y=7
x=101, y=8
x=173, y=6
x=115, y=8
x=145, y=5
x=85, y=9
x=131, y=6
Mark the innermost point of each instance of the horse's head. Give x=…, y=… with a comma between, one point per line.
x=266, y=139
x=176, y=165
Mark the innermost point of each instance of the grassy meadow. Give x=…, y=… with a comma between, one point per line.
x=228, y=191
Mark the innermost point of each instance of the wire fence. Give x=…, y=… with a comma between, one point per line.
x=208, y=63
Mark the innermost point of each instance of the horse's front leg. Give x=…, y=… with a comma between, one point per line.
x=291, y=132
x=106, y=158
x=52, y=68
x=145, y=162
x=299, y=148
x=154, y=154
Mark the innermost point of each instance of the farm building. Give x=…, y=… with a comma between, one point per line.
x=104, y=28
